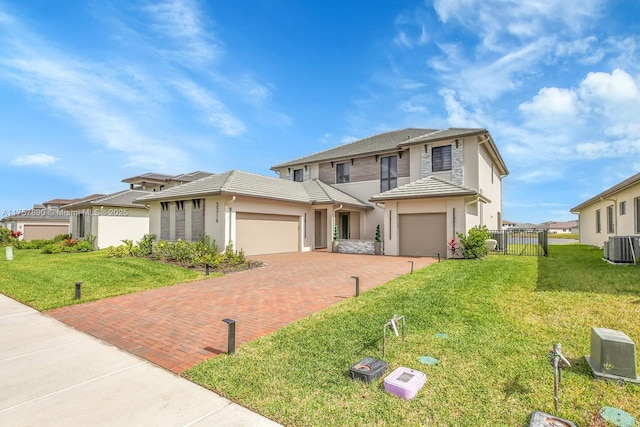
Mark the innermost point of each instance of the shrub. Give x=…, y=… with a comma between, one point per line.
x=5, y=237
x=473, y=244
x=146, y=244
x=61, y=237
x=33, y=244
x=378, y=239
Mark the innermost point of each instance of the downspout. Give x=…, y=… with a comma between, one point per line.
x=227, y=203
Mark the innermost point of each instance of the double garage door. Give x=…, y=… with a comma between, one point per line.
x=423, y=234
x=258, y=234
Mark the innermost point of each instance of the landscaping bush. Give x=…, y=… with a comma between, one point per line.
x=6, y=239
x=66, y=245
x=473, y=244
x=182, y=252
x=33, y=244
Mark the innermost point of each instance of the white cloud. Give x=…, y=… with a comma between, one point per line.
x=34, y=160
x=552, y=103
x=616, y=87
x=458, y=116
x=179, y=22
x=214, y=112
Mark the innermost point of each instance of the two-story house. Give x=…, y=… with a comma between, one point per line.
x=115, y=217
x=420, y=185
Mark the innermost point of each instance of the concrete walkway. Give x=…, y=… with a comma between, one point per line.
x=54, y=375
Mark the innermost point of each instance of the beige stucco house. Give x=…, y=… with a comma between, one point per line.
x=614, y=212
x=420, y=185
x=43, y=221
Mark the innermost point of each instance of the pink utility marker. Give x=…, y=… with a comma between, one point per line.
x=404, y=382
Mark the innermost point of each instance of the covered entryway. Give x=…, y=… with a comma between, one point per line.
x=258, y=234
x=44, y=232
x=423, y=234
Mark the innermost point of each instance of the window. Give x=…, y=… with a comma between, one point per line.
x=636, y=202
x=610, y=229
x=598, y=223
x=388, y=173
x=342, y=173
x=622, y=207
x=297, y=175
x=81, y=225
x=441, y=158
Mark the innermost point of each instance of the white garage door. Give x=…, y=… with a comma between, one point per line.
x=423, y=234
x=266, y=234
x=38, y=232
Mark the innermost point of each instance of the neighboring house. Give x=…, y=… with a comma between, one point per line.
x=559, y=227
x=420, y=185
x=158, y=182
x=507, y=225
x=614, y=212
x=44, y=221
x=109, y=219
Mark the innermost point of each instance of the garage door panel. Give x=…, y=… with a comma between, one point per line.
x=423, y=234
x=265, y=234
x=43, y=232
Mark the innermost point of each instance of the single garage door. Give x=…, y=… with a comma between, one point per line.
x=37, y=232
x=423, y=234
x=266, y=234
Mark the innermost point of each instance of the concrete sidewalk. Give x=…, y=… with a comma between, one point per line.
x=54, y=375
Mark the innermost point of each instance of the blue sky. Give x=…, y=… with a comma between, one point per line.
x=92, y=92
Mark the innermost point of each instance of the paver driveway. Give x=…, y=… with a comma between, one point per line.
x=179, y=326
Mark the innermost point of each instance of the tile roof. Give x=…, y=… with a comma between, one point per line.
x=152, y=176
x=635, y=179
x=38, y=214
x=149, y=175
x=374, y=144
x=123, y=198
x=239, y=183
x=425, y=188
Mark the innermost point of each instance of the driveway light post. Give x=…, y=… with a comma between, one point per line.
x=78, y=289
x=231, y=340
x=357, y=284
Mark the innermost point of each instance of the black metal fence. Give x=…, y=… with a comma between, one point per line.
x=521, y=241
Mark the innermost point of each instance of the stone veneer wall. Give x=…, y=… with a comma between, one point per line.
x=352, y=246
x=457, y=162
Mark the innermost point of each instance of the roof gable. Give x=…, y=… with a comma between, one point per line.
x=425, y=188
x=239, y=183
x=633, y=180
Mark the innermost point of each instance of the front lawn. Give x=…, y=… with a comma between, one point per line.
x=502, y=314
x=47, y=281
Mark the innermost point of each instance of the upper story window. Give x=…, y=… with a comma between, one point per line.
x=610, y=226
x=342, y=173
x=298, y=175
x=441, y=158
x=598, y=222
x=622, y=207
x=388, y=173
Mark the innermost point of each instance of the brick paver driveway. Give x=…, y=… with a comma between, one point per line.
x=179, y=326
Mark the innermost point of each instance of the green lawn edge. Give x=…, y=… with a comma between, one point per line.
x=502, y=314
x=47, y=281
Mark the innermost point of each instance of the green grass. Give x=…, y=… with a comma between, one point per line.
x=573, y=236
x=503, y=314
x=47, y=281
